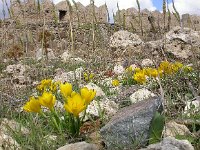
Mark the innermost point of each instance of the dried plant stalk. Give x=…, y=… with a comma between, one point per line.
x=139, y=15
x=71, y=25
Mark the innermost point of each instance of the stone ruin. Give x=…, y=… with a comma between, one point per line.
x=154, y=19
x=29, y=11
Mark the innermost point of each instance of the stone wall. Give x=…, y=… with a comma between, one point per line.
x=28, y=11
x=130, y=18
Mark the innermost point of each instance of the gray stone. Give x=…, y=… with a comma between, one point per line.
x=40, y=53
x=170, y=143
x=131, y=124
x=79, y=146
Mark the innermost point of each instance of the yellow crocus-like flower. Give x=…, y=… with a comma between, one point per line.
x=66, y=89
x=44, y=84
x=137, y=70
x=88, y=95
x=33, y=105
x=75, y=104
x=115, y=82
x=140, y=77
x=54, y=86
x=47, y=100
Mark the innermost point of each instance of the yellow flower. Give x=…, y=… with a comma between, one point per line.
x=88, y=77
x=115, y=82
x=47, y=100
x=154, y=73
x=187, y=69
x=88, y=95
x=140, y=77
x=75, y=105
x=129, y=69
x=33, y=105
x=54, y=86
x=137, y=70
x=66, y=89
x=44, y=84
x=166, y=67
x=91, y=76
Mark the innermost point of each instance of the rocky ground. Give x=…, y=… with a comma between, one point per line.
x=121, y=115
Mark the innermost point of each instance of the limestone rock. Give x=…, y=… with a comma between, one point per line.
x=130, y=124
x=109, y=107
x=7, y=125
x=77, y=60
x=40, y=53
x=173, y=129
x=65, y=56
x=180, y=41
x=79, y=146
x=194, y=105
x=69, y=76
x=118, y=69
x=124, y=39
x=97, y=88
x=186, y=34
x=170, y=143
x=16, y=69
x=147, y=63
x=7, y=142
x=17, y=72
x=140, y=95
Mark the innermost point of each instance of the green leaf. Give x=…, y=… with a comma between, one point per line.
x=156, y=128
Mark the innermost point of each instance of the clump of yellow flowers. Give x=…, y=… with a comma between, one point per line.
x=140, y=75
x=74, y=103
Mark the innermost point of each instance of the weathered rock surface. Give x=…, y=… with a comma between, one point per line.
x=130, y=124
x=65, y=56
x=170, y=143
x=180, y=41
x=69, y=76
x=124, y=39
x=40, y=53
x=6, y=127
x=7, y=142
x=147, y=63
x=79, y=146
x=173, y=129
x=17, y=72
x=118, y=69
x=185, y=34
x=97, y=88
x=107, y=106
x=140, y=95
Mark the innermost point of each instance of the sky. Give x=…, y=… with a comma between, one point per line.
x=183, y=6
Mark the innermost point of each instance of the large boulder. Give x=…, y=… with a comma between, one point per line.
x=131, y=124
x=179, y=42
x=124, y=39
x=170, y=143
